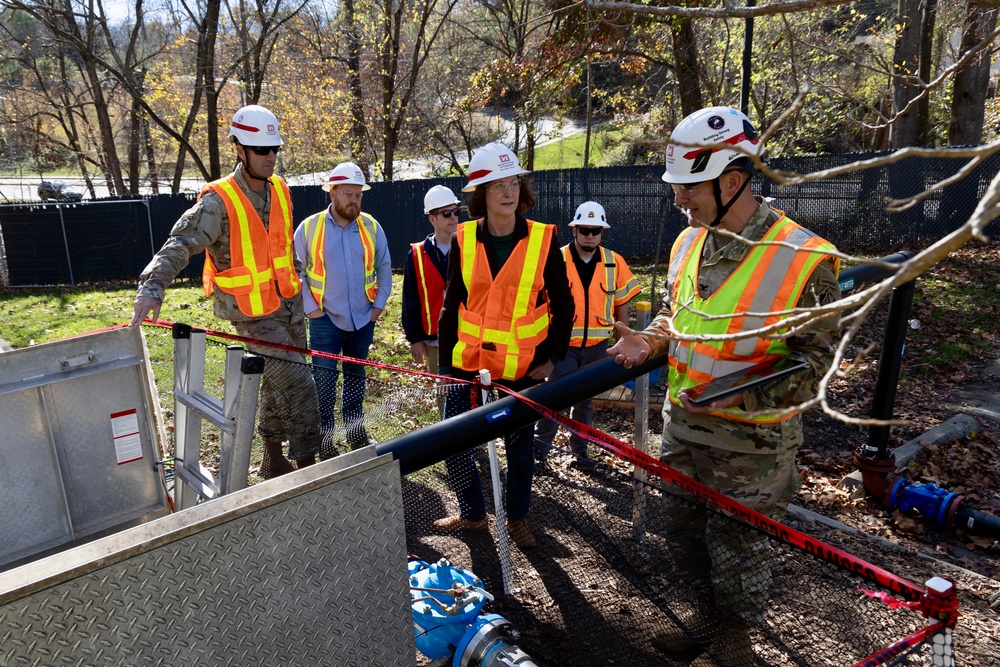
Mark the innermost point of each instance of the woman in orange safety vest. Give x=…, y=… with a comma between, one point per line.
x=508, y=309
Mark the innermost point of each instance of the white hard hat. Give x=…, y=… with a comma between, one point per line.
x=255, y=125
x=590, y=214
x=437, y=197
x=491, y=163
x=346, y=173
x=689, y=160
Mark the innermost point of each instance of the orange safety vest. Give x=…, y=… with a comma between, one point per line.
x=759, y=293
x=260, y=257
x=591, y=327
x=315, y=233
x=500, y=325
x=430, y=288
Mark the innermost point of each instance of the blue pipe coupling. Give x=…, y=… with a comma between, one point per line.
x=929, y=500
x=447, y=602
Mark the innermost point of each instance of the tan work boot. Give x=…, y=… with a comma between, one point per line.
x=698, y=631
x=522, y=534
x=274, y=464
x=453, y=524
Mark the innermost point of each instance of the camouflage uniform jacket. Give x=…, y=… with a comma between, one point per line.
x=205, y=226
x=814, y=344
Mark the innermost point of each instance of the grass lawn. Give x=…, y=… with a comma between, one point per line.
x=568, y=153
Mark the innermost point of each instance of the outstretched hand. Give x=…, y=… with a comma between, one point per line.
x=145, y=305
x=630, y=349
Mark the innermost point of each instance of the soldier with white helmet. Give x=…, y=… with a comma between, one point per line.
x=507, y=309
x=244, y=224
x=723, y=287
x=348, y=274
x=424, y=276
x=602, y=286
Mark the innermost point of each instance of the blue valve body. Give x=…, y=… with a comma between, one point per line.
x=930, y=500
x=435, y=633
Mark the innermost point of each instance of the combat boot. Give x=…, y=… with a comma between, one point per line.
x=274, y=464
x=697, y=631
x=731, y=648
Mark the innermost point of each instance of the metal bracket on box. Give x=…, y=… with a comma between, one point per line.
x=234, y=415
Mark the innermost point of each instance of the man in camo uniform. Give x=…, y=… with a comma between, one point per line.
x=741, y=446
x=263, y=305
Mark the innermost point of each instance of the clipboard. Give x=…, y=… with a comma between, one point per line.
x=748, y=378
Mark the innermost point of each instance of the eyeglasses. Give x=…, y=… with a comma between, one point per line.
x=500, y=186
x=687, y=189
x=450, y=212
x=263, y=151
x=590, y=231
x=348, y=194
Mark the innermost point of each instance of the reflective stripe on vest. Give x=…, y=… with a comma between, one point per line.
x=761, y=292
x=259, y=256
x=500, y=324
x=590, y=328
x=315, y=232
x=430, y=288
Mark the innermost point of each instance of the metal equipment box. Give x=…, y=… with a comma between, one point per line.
x=80, y=441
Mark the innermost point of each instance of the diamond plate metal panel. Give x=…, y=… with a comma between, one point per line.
x=307, y=569
x=22, y=474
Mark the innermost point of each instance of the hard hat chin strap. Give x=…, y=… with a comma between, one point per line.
x=722, y=209
x=246, y=164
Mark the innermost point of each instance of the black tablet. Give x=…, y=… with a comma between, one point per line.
x=741, y=381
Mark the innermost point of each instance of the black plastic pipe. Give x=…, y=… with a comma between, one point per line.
x=852, y=279
x=889, y=364
x=437, y=442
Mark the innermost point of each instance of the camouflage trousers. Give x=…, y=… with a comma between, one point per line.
x=714, y=553
x=289, y=409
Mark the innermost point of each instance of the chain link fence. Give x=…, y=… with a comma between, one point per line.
x=105, y=240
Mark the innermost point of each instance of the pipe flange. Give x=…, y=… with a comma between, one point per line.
x=949, y=519
x=871, y=464
x=493, y=630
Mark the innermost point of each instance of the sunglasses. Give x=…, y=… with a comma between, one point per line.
x=590, y=231
x=263, y=151
x=450, y=212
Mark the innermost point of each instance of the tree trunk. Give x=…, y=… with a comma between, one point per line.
x=686, y=66
x=968, y=102
x=590, y=115
x=911, y=71
x=359, y=135
x=208, y=34
x=135, y=142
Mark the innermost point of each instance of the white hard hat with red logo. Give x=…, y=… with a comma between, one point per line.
x=439, y=197
x=690, y=156
x=346, y=173
x=590, y=214
x=491, y=163
x=255, y=125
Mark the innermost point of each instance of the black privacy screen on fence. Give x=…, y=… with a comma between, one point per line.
x=611, y=574
x=114, y=239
